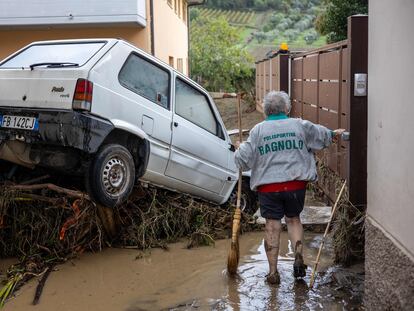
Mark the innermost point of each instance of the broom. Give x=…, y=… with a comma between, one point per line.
x=234, y=253
x=312, y=280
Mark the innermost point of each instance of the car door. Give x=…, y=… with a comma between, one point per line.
x=199, y=149
x=150, y=86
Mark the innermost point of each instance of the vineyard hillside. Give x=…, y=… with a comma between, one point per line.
x=263, y=30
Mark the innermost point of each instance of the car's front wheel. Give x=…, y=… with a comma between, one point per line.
x=111, y=175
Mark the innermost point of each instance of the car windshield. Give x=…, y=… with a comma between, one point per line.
x=76, y=53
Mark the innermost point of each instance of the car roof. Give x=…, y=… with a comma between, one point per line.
x=115, y=40
x=74, y=41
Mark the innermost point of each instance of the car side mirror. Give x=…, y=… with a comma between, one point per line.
x=232, y=148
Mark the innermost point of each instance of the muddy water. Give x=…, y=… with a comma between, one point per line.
x=181, y=279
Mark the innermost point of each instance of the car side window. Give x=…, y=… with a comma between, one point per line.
x=194, y=106
x=146, y=79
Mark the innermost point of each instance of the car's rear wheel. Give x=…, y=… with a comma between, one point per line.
x=111, y=175
x=248, y=200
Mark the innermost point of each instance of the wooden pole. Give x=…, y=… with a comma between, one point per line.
x=312, y=280
x=234, y=254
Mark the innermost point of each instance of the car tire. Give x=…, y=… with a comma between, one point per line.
x=111, y=175
x=248, y=203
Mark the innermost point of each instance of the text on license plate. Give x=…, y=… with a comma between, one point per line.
x=19, y=122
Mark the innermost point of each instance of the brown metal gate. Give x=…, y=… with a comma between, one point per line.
x=322, y=91
x=319, y=93
x=322, y=84
x=271, y=74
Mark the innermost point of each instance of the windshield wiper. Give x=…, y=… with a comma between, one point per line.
x=53, y=65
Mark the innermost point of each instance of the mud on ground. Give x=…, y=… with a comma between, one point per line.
x=195, y=279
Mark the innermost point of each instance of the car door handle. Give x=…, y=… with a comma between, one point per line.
x=175, y=124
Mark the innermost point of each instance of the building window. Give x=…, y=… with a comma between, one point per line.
x=180, y=64
x=171, y=61
x=146, y=79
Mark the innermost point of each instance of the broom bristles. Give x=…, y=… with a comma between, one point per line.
x=233, y=258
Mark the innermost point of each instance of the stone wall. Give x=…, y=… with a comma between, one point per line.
x=389, y=272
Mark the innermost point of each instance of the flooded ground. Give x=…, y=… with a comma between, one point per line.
x=182, y=279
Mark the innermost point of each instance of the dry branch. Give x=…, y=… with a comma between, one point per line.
x=33, y=216
x=70, y=193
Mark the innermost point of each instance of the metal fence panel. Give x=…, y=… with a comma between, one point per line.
x=328, y=65
x=328, y=95
x=321, y=91
x=310, y=93
x=310, y=67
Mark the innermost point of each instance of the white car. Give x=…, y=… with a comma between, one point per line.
x=107, y=110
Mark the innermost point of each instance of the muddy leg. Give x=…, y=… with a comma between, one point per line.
x=295, y=230
x=273, y=228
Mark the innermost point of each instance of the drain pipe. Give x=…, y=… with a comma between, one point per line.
x=152, y=27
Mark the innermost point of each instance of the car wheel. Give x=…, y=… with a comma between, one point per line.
x=248, y=201
x=111, y=175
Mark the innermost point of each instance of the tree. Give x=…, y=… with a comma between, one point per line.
x=260, y=5
x=194, y=14
x=310, y=36
x=216, y=59
x=291, y=34
x=332, y=22
x=260, y=36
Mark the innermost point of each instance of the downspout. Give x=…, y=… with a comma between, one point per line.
x=188, y=29
x=152, y=26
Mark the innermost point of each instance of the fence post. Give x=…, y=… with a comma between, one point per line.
x=301, y=88
x=358, y=108
x=283, y=72
x=318, y=107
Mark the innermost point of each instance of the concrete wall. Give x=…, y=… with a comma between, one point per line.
x=390, y=151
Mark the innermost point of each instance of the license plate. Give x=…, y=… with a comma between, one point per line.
x=19, y=122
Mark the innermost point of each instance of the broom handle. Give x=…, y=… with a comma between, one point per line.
x=239, y=119
x=312, y=280
x=237, y=213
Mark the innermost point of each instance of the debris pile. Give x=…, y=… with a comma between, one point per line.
x=348, y=225
x=44, y=225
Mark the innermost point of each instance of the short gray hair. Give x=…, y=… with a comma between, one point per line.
x=276, y=102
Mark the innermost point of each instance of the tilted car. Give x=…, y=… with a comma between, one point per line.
x=107, y=110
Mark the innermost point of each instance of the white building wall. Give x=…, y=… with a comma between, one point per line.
x=391, y=119
x=70, y=12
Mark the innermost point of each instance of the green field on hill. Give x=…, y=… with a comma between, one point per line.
x=262, y=31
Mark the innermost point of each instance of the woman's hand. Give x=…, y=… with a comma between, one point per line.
x=237, y=144
x=338, y=132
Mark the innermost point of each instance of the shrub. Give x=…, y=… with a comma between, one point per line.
x=311, y=36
